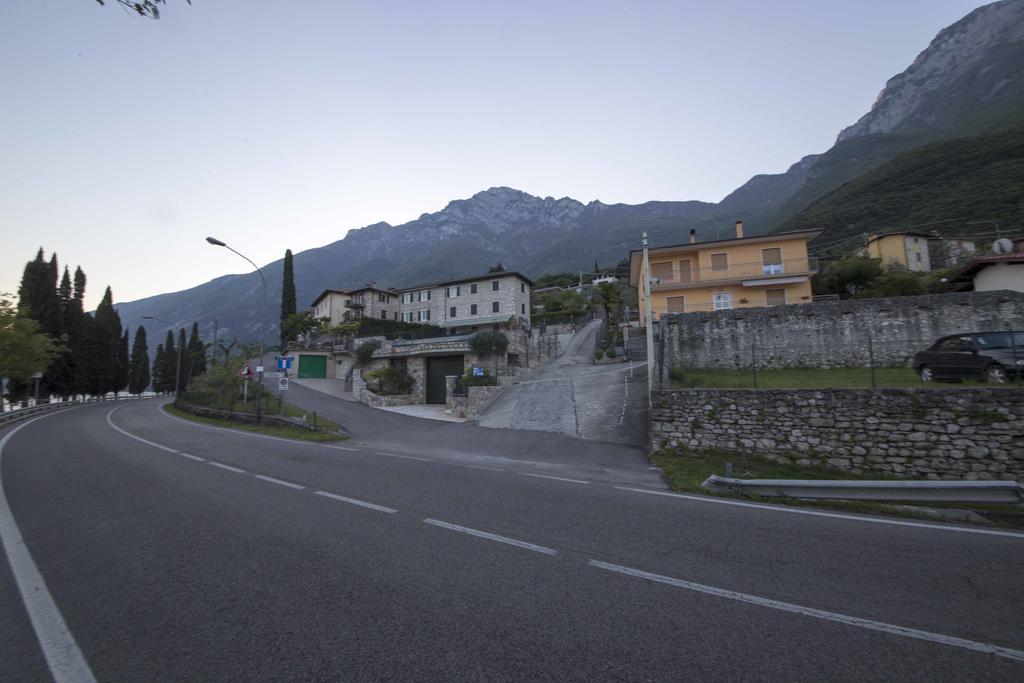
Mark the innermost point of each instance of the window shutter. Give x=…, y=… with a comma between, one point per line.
x=719, y=262
x=662, y=271
x=775, y=297
x=676, y=304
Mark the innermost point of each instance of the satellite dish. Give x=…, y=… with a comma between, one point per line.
x=1002, y=246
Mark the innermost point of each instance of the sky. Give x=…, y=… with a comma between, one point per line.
x=124, y=142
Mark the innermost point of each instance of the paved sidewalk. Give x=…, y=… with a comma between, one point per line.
x=427, y=411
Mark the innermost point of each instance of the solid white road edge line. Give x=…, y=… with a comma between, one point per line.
x=835, y=515
x=65, y=660
x=279, y=481
x=341, y=448
x=360, y=503
x=548, y=476
x=491, y=537
x=870, y=624
x=482, y=467
x=191, y=457
x=405, y=457
x=225, y=467
x=137, y=438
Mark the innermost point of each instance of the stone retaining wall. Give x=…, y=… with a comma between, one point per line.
x=834, y=333
x=975, y=433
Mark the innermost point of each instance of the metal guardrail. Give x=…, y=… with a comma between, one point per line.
x=852, y=489
x=22, y=413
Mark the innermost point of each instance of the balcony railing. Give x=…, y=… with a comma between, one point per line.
x=738, y=271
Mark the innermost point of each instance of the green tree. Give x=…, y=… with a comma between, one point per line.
x=196, y=353
x=896, y=281
x=170, y=365
x=848, y=276
x=302, y=323
x=123, y=372
x=108, y=337
x=488, y=344
x=159, y=369
x=288, y=305
x=182, y=363
x=138, y=376
x=609, y=297
x=24, y=348
x=75, y=323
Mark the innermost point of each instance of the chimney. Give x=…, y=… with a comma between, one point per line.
x=739, y=230
x=693, y=236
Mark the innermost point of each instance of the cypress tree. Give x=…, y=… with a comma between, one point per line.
x=74, y=322
x=29, y=290
x=196, y=353
x=108, y=338
x=92, y=370
x=170, y=362
x=182, y=367
x=159, y=361
x=138, y=376
x=123, y=365
x=63, y=368
x=288, y=305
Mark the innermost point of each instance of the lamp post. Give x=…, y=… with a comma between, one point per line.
x=263, y=321
x=177, y=372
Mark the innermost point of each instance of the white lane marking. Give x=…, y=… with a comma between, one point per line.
x=65, y=660
x=548, y=476
x=360, y=503
x=405, y=457
x=491, y=537
x=836, y=515
x=191, y=457
x=279, y=481
x=870, y=624
x=225, y=467
x=132, y=436
x=342, y=448
x=482, y=467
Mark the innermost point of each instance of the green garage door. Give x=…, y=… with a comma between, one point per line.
x=312, y=366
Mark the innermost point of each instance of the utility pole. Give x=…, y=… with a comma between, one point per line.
x=648, y=325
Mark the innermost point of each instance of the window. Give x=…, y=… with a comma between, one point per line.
x=772, y=260
x=383, y=298
x=472, y=308
x=451, y=312
x=407, y=316
x=424, y=315
x=454, y=291
x=955, y=344
x=513, y=359
x=522, y=308
x=677, y=304
x=495, y=285
x=775, y=297
x=383, y=314
x=522, y=287
x=723, y=300
x=472, y=289
x=685, y=274
x=719, y=262
x=662, y=271
x=494, y=307
x=407, y=297
x=394, y=316
x=424, y=295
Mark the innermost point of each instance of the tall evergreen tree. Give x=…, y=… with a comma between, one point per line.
x=170, y=362
x=92, y=371
x=138, y=376
x=196, y=353
x=32, y=277
x=63, y=368
x=108, y=338
x=75, y=323
x=159, y=363
x=288, y=305
x=123, y=373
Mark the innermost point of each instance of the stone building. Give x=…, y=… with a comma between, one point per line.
x=469, y=304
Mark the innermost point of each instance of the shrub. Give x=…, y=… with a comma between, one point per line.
x=598, y=354
x=610, y=351
x=679, y=377
x=392, y=381
x=364, y=352
x=487, y=344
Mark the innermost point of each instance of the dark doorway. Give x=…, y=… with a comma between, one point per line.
x=438, y=367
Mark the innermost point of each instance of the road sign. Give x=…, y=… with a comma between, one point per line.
x=478, y=372
x=246, y=371
x=259, y=369
x=284, y=362
x=282, y=384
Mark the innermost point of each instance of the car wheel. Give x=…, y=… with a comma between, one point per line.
x=995, y=374
x=926, y=373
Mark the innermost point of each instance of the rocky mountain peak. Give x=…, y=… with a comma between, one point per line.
x=970, y=61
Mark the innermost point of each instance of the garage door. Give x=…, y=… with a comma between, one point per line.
x=312, y=366
x=437, y=369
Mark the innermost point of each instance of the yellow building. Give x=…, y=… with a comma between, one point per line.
x=907, y=249
x=744, y=272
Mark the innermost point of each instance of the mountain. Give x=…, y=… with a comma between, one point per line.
x=967, y=82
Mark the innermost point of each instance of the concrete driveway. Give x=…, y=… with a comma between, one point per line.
x=572, y=396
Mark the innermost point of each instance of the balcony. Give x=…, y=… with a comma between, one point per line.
x=356, y=304
x=733, y=273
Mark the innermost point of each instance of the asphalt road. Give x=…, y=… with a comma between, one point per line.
x=173, y=551
x=572, y=396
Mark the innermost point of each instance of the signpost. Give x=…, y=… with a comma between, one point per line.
x=282, y=384
x=282, y=387
x=246, y=373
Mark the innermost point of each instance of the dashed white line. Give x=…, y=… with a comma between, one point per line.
x=869, y=624
x=815, y=513
x=191, y=457
x=64, y=659
x=492, y=537
x=225, y=467
x=360, y=503
x=405, y=457
x=279, y=481
x=548, y=476
x=342, y=448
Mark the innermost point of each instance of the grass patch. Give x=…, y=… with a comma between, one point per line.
x=330, y=431
x=800, y=378
x=685, y=469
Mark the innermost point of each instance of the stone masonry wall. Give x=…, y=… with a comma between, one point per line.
x=975, y=433
x=834, y=333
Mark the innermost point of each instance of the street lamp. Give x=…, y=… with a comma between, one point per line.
x=177, y=373
x=263, y=322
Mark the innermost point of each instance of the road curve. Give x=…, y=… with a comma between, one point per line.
x=175, y=551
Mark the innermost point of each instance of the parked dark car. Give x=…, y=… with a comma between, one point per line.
x=990, y=356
